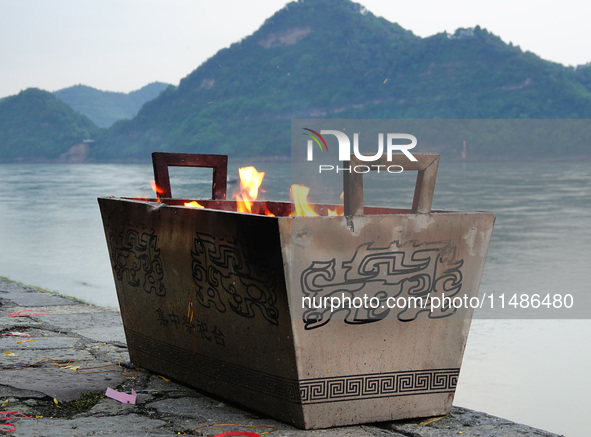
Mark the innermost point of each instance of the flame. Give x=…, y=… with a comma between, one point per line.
x=250, y=182
x=193, y=204
x=339, y=210
x=155, y=188
x=299, y=195
x=303, y=208
x=268, y=213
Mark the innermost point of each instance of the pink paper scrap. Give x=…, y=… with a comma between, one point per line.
x=18, y=334
x=124, y=398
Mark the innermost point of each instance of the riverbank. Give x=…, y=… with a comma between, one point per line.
x=60, y=355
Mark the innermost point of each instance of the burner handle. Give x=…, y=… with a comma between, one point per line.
x=161, y=161
x=426, y=165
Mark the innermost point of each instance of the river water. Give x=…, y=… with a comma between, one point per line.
x=533, y=371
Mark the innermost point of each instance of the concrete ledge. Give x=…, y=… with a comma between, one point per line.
x=75, y=348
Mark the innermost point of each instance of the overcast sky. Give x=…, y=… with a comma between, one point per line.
x=122, y=45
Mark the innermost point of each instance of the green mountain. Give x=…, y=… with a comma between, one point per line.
x=35, y=125
x=105, y=107
x=334, y=59
x=583, y=75
x=312, y=59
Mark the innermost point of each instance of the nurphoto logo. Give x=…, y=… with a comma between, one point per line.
x=395, y=142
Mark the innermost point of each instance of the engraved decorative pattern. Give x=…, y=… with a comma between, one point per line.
x=226, y=279
x=135, y=257
x=417, y=271
x=347, y=388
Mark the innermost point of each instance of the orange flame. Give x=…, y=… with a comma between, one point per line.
x=339, y=210
x=156, y=188
x=299, y=195
x=193, y=204
x=269, y=213
x=250, y=182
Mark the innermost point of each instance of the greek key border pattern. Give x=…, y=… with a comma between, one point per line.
x=381, y=385
x=308, y=391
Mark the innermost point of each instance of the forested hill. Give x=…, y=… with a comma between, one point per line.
x=36, y=126
x=106, y=107
x=334, y=59
x=312, y=59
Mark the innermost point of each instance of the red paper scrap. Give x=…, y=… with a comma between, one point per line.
x=13, y=426
x=238, y=433
x=26, y=313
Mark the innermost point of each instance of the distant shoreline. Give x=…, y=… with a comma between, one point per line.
x=287, y=159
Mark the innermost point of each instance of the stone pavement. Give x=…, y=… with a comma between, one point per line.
x=59, y=356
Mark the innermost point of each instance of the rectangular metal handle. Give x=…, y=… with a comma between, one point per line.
x=426, y=165
x=161, y=161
